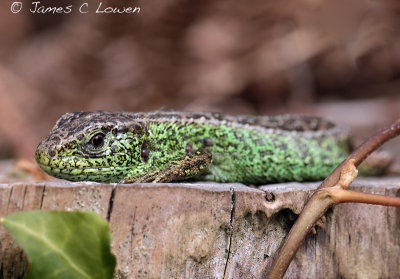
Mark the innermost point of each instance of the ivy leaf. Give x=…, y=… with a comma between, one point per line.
x=62, y=244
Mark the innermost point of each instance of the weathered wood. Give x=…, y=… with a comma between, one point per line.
x=209, y=230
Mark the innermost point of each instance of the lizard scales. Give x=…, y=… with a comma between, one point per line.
x=165, y=146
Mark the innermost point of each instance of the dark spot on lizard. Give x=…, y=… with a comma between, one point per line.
x=189, y=147
x=144, y=153
x=208, y=142
x=55, y=139
x=52, y=153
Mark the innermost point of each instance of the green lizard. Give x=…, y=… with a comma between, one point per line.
x=166, y=146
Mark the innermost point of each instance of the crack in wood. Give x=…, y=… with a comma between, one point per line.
x=233, y=206
x=132, y=233
x=111, y=203
x=9, y=199
x=43, y=195
x=23, y=198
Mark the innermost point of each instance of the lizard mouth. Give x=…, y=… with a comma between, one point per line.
x=98, y=174
x=73, y=169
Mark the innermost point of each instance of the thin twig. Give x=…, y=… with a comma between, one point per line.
x=340, y=195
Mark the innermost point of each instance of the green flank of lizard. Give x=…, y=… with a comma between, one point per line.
x=167, y=146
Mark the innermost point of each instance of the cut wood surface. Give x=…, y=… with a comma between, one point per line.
x=210, y=230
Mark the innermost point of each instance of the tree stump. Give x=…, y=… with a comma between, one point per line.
x=211, y=230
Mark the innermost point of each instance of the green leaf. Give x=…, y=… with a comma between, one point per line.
x=62, y=244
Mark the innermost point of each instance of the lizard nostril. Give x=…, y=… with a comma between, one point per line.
x=52, y=153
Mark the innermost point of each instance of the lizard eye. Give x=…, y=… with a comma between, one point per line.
x=97, y=140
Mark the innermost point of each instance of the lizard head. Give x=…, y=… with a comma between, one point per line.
x=95, y=146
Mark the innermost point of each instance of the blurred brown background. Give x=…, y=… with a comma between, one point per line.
x=339, y=59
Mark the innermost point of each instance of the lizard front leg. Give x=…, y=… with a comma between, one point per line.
x=189, y=165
